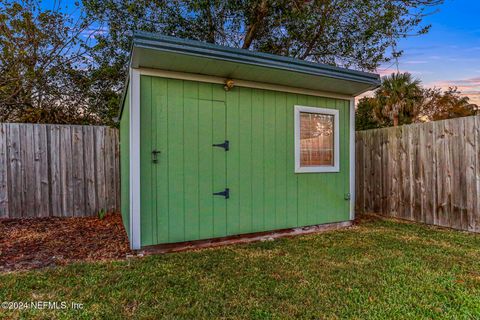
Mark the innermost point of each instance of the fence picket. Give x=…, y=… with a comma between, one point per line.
x=429, y=172
x=51, y=170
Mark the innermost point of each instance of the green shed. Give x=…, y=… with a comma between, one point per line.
x=217, y=142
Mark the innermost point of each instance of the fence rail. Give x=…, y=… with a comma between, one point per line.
x=424, y=172
x=58, y=170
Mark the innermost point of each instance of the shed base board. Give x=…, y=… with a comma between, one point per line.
x=243, y=238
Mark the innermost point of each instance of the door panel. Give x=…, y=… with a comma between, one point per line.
x=175, y=158
x=205, y=158
x=190, y=169
x=219, y=169
x=160, y=169
x=191, y=151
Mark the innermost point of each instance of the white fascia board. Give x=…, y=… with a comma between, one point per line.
x=238, y=83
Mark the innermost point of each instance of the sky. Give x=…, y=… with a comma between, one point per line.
x=449, y=55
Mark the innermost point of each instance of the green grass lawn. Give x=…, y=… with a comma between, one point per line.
x=377, y=270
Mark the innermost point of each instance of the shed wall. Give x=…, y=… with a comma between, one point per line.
x=124, y=163
x=266, y=193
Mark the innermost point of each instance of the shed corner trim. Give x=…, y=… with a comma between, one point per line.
x=352, y=159
x=135, y=239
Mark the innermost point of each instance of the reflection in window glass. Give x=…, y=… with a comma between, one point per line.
x=316, y=139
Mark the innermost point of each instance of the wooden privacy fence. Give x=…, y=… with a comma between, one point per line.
x=57, y=170
x=424, y=172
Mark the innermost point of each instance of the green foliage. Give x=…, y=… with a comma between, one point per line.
x=377, y=270
x=402, y=100
x=346, y=33
x=56, y=69
x=338, y=32
x=101, y=214
x=438, y=105
x=365, y=115
x=46, y=73
x=398, y=97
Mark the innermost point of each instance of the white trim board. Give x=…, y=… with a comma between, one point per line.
x=135, y=242
x=238, y=83
x=352, y=158
x=336, y=139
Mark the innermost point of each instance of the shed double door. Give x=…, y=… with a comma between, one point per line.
x=187, y=120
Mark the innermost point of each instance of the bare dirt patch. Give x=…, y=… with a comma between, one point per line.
x=48, y=242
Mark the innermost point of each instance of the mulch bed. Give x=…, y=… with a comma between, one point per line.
x=48, y=242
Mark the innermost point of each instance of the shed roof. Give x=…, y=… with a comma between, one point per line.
x=155, y=51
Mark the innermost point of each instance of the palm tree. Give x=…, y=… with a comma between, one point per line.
x=399, y=94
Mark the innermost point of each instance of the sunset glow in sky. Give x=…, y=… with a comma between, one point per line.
x=449, y=55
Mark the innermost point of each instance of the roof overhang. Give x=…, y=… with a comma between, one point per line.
x=173, y=54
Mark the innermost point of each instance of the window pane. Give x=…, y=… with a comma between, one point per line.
x=316, y=139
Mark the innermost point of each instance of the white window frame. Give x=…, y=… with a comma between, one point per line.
x=336, y=140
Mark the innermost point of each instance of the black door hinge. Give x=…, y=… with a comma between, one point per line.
x=225, y=145
x=225, y=193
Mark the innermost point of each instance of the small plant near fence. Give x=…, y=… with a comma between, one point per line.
x=101, y=214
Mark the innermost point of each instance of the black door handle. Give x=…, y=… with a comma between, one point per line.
x=225, y=145
x=154, y=154
x=225, y=193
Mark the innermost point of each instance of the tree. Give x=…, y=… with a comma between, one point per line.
x=402, y=100
x=365, y=118
x=42, y=65
x=340, y=32
x=57, y=69
x=399, y=95
x=350, y=33
x=438, y=105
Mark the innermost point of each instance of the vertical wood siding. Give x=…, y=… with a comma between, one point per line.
x=179, y=117
x=427, y=172
x=57, y=170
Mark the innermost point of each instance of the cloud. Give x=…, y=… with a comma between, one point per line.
x=94, y=32
x=387, y=72
x=463, y=59
x=469, y=87
x=390, y=70
x=421, y=48
x=468, y=83
x=474, y=97
x=415, y=62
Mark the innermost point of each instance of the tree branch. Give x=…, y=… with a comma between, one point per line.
x=261, y=12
